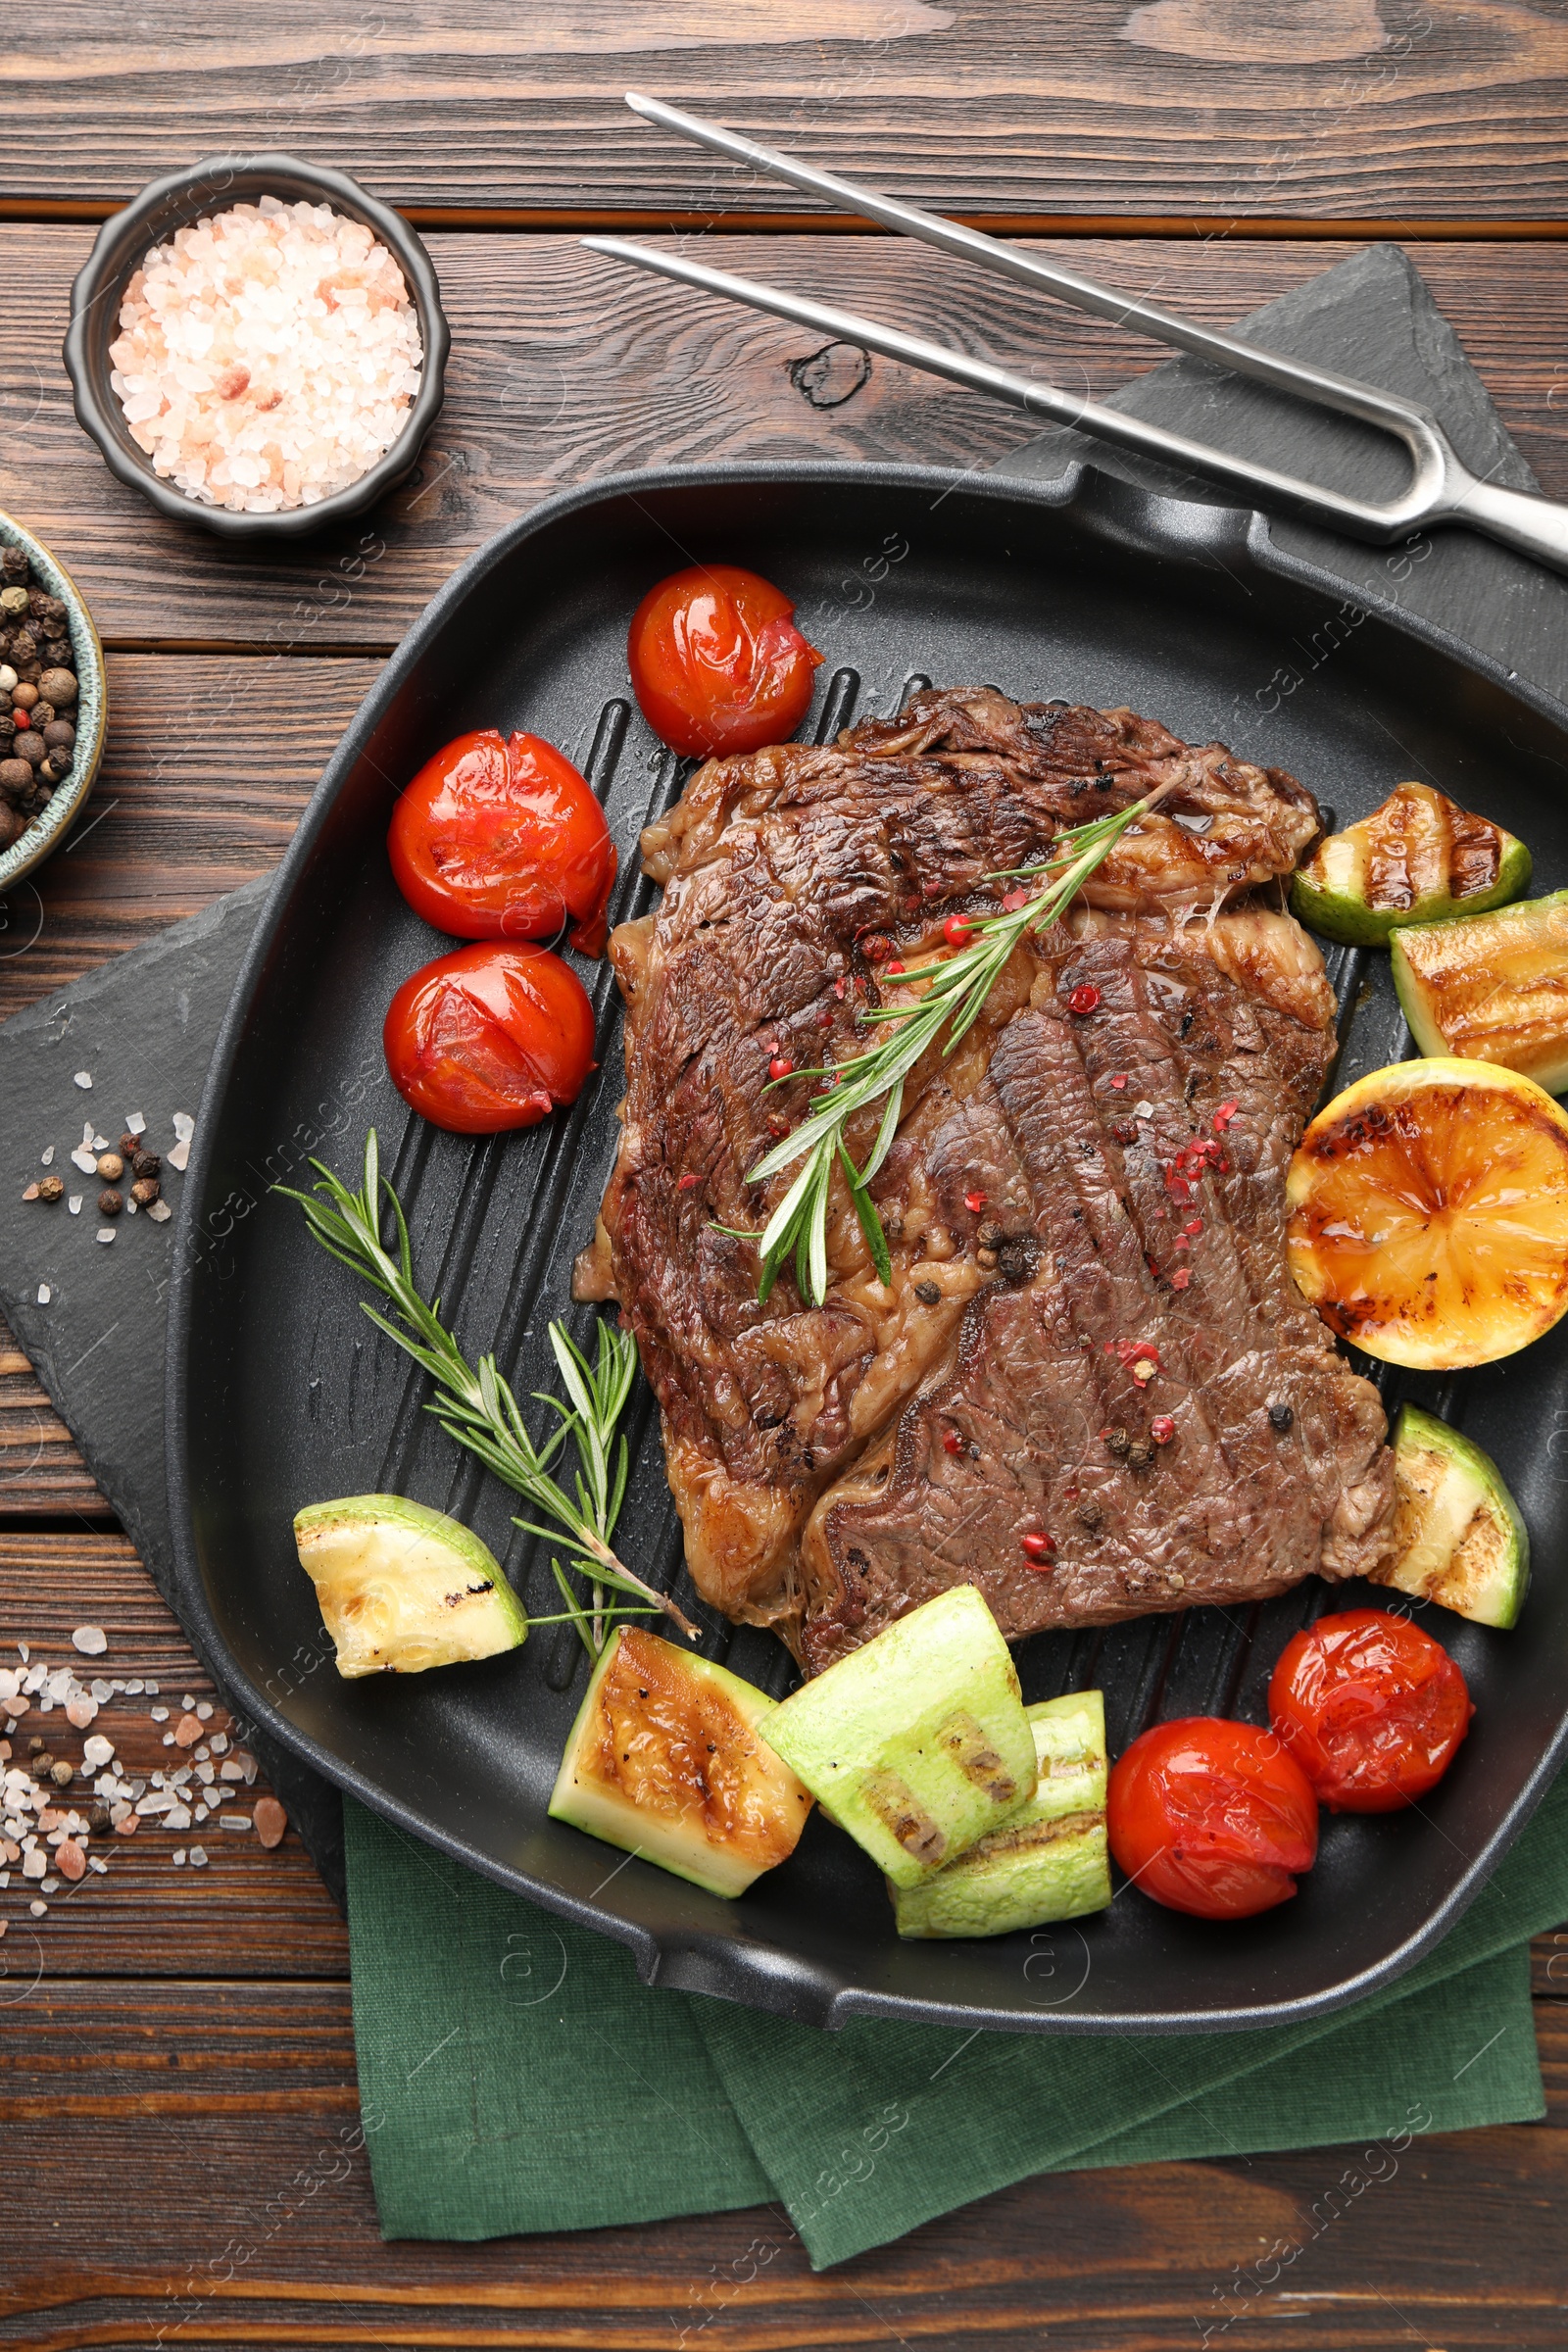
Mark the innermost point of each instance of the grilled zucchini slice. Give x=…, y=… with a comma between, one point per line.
x=1461, y=1541
x=1416, y=859
x=1051, y=1860
x=665, y=1761
x=402, y=1587
x=1491, y=990
x=917, y=1743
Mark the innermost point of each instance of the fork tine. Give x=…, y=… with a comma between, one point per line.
x=1040, y=399
x=1374, y=407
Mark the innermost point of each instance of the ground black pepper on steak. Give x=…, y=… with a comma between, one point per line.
x=834, y=1466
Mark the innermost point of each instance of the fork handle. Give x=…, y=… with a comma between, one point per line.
x=1534, y=526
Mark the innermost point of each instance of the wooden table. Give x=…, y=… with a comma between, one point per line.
x=179, y=2067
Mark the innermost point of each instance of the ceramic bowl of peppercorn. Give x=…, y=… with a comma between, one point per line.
x=52, y=704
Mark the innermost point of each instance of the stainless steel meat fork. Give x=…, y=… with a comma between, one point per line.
x=1441, y=489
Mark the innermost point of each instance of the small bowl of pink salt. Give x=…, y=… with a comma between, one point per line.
x=257, y=346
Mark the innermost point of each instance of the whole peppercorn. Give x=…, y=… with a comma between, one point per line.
x=57, y=655
x=109, y=1204
x=24, y=650
x=8, y=727
x=62, y=1773
x=40, y=714
x=12, y=826
x=16, y=778
x=129, y=1145
x=13, y=600
x=41, y=1762
x=58, y=686
x=145, y=1190
x=14, y=563
x=59, y=734
x=111, y=1167
x=25, y=695
x=145, y=1163
x=98, y=1818
x=55, y=769
x=50, y=1188
x=31, y=748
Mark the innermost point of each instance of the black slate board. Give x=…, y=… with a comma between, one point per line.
x=144, y=1025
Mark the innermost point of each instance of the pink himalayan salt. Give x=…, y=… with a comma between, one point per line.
x=268, y=357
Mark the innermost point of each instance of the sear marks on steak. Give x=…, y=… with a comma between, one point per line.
x=799, y=1440
x=1148, y=1390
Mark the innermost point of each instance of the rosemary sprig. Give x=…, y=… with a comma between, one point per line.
x=476, y=1407
x=959, y=986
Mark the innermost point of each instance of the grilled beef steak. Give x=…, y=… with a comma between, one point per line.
x=1089, y=1339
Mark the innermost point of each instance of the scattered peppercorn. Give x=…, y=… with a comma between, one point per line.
x=1163, y=1429
x=974, y=1203
x=1281, y=1416
x=780, y=1067
x=62, y=1774
x=50, y=1188
x=1084, y=999
x=929, y=1294
x=1036, y=1549
x=957, y=930
x=951, y=1443
x=110, y=1202
x=111, y=1166
x=147, y=1189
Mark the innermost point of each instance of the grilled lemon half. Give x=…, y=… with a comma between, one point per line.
x=1429, y=1213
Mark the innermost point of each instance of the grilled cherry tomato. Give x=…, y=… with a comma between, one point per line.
x=1371, y=1709
x=717, y=662
x=490, y=1036
x=1212, y=1817
x=504, y=840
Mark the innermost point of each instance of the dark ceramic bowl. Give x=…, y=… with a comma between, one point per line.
x=89, y=717
x=172, y=204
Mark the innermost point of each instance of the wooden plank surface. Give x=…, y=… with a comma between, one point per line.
x=567, y=367
x=176, y=2088
x=1414, y=107
x=227, y=2200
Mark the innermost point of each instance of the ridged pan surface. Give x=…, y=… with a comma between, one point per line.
x=282, y=1393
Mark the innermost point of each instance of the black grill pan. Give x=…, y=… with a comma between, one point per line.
x=280, y=1392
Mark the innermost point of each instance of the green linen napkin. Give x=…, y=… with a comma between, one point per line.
x=515, y=2076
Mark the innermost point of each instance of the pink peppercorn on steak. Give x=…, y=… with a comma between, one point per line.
x=1089, y=1386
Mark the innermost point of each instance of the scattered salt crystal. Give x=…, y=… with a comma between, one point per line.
x=103, y=1692
x=83, y=1078
x=136, y=1124
x=131, y=1208
x=203, y=1711
x=160, y=1714
x=38, y=1909
x=1143, y=1111
x=74, y=1205
x=100, y=1142
x=178, y=1858
x=106, y=1233
x=234, y=1822
x=23, y=1652
x=85, y=1158
x=94, y=1863
x=149, y=1686
x=168, y=1738
x=80, y=1711
x=97, y=1751
x=46, y=1159
x=185, y=1129
x=198, y=1857
x=44, y=1294
x=187, y=1702
x=220, y=1744
x=160, y=1212
x=90, y=1640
